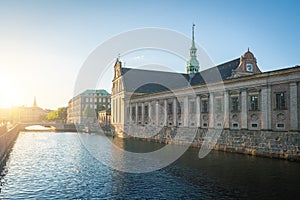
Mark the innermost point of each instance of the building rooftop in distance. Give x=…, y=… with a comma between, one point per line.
x=90, y=92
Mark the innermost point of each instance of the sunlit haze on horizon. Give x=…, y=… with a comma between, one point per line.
x=43, y=44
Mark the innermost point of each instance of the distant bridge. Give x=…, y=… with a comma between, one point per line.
x=55, y=126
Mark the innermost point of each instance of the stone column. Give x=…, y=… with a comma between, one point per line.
x=124, y=111
x=119, y=111
x=112, y=111
x=175, y=111
x=244, y=114
x=156, y=113
x=149, y=113
x=293, y=107
x=143, y=113
x=186, y=111
x=136, y=113
x=115, y=111
x=130, y=113
x=165, y=112
x=198, y=117
x=226, y=109
x=211, y=111
x=266, y=108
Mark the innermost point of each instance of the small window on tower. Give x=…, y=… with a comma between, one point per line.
x=249, y=67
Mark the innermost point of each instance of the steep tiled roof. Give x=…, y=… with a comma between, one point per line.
x=147, y=81
x=218, y=73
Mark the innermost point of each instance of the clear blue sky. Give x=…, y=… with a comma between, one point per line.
x=43, y=44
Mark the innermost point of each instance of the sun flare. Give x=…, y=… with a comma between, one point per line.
x=7, y=92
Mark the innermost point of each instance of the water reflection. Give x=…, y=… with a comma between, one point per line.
x=57, y=166
x=38, y=128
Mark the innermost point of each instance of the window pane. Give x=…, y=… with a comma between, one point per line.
x=204, y=106
x=179, y=108
x=170, y=108
x=146, y=110
x=235, y=103
x=254, y=102
x=280, y=100
x=218, y=105
x=133, y=113
x=192, y=107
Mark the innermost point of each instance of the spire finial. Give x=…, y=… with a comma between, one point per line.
x=248, y=49
x=193, y=31
x=118, y=58
x=34, y=102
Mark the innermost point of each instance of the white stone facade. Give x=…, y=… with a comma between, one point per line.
x=256, y=109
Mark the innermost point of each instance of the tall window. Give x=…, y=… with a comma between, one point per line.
x=253, y=102
x=179, y=108
x=280, y=101
x=218, y=105
x=204, y=106
x=235, y=104
x=170, y=108
x=192, y=107
x=146, y=113
x=133, y=112
x=139, y=112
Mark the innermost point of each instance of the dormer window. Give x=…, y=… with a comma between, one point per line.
x=249, y=67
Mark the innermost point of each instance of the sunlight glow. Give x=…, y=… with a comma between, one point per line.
x=7, y=92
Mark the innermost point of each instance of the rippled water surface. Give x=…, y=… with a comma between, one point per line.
x=51, y=165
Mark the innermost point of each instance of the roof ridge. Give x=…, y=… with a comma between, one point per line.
x=128, y=68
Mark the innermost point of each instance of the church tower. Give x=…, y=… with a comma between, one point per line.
x=193, y=64
x=34, y=102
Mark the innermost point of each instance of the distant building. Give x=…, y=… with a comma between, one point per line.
x=234, y=95
x=104, y=117
x=84, y=107
x=4, y=115
x=4, y=118
x=30, y=114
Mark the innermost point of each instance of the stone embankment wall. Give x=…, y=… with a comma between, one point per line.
x=283, y=145
x=7, y=140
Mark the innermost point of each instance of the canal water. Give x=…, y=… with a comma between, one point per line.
x=47, y=165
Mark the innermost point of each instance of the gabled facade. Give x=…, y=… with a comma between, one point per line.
x=118, y=96
x=247, y=66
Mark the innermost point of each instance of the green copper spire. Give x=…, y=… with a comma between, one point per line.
x=193, y=64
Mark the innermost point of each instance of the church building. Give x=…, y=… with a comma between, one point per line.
x=235, y=95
